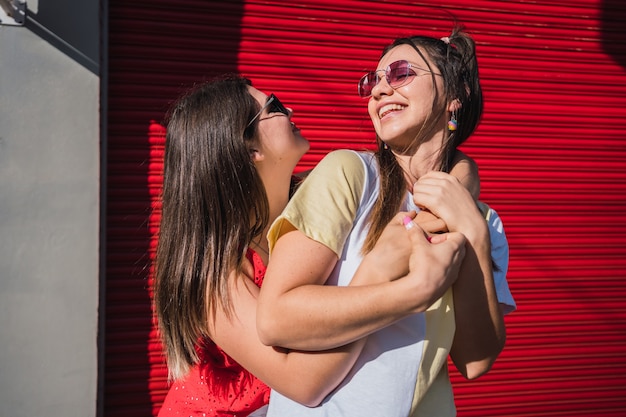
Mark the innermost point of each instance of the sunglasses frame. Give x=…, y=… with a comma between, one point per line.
x=410, y=72
x=271, y=100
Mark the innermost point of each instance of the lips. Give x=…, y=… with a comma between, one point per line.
x=389, y=108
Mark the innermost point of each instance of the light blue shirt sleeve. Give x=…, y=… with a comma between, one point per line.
x=500, y=256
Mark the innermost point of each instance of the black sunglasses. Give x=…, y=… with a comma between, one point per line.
x=273, y=105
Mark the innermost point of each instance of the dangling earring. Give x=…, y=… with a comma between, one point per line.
x=452, y=123
x=385, y=146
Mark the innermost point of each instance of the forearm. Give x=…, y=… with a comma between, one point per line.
x=297, y=311
x=305, y=377
x=308, y=377
x=317, y=317
x=480, y=333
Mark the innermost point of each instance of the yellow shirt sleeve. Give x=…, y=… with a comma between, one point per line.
x=325, y=205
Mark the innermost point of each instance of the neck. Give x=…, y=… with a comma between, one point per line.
x=277, y=197
x=260, y=245
x=277, y=190
x=420, y=161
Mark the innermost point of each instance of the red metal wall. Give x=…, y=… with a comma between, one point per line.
x=551, y=149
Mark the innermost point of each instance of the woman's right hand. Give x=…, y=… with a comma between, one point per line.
x=434, y=264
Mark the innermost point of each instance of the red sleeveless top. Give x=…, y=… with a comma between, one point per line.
x=218, y=386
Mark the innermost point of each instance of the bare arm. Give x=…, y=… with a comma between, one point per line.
x=466, y=170
x=316, y=373
x=296, y=310
x=304, y=377
x=480, y=333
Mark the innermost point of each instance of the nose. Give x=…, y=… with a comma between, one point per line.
x=382, y=88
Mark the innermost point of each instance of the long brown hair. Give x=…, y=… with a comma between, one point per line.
x=455, y=59
x=213, y=203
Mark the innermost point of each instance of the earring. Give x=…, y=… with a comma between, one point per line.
x=452, y=123
x=385, y=146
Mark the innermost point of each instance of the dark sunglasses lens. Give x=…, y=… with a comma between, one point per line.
x=398, y=72
x=277, y=107
x=367, y=83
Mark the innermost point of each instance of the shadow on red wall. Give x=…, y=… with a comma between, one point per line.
x=148, y=68
x=613, y=19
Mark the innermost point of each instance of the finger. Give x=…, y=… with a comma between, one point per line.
x=428, y=192
x=424, y=216
x=430, y=223
x=438, y=238
x=401, y=216
x=410, y=225
x=455, y=238
x=438, y=175
x=433, y=226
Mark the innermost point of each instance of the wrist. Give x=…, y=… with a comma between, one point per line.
x=476, y=232
x=416, y=295
x=367, y=273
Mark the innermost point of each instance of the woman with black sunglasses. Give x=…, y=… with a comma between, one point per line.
x=425, y=100
x=229, y=156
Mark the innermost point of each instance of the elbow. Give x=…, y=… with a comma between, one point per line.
x=314, y=385
x=314, y=402
x=309, y=395
x=311, y=399
x=475, y=370
x=267, y=329
x=305, y=400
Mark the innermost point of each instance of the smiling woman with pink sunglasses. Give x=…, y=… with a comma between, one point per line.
x=424, y=100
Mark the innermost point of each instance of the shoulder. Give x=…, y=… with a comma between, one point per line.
x=326, y=203
x=339, y=171
x=344, y=159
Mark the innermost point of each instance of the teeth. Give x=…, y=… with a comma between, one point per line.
x=389, y=108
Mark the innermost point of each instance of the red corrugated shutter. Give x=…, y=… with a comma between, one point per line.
x=551, y=149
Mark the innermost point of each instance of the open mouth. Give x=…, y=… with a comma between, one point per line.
x=389, y=108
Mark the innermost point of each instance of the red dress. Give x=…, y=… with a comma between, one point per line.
x=218, y=386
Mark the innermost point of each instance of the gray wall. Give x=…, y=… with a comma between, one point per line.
x=49, y=217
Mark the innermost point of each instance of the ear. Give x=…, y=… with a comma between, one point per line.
x=256, y=154
x=454, y=105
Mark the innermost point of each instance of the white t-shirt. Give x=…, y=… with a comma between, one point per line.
x=403, y=367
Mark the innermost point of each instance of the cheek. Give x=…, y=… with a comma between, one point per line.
x=422, y=93
x=371, y=109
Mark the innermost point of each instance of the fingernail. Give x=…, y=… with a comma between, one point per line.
x=408, y=222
